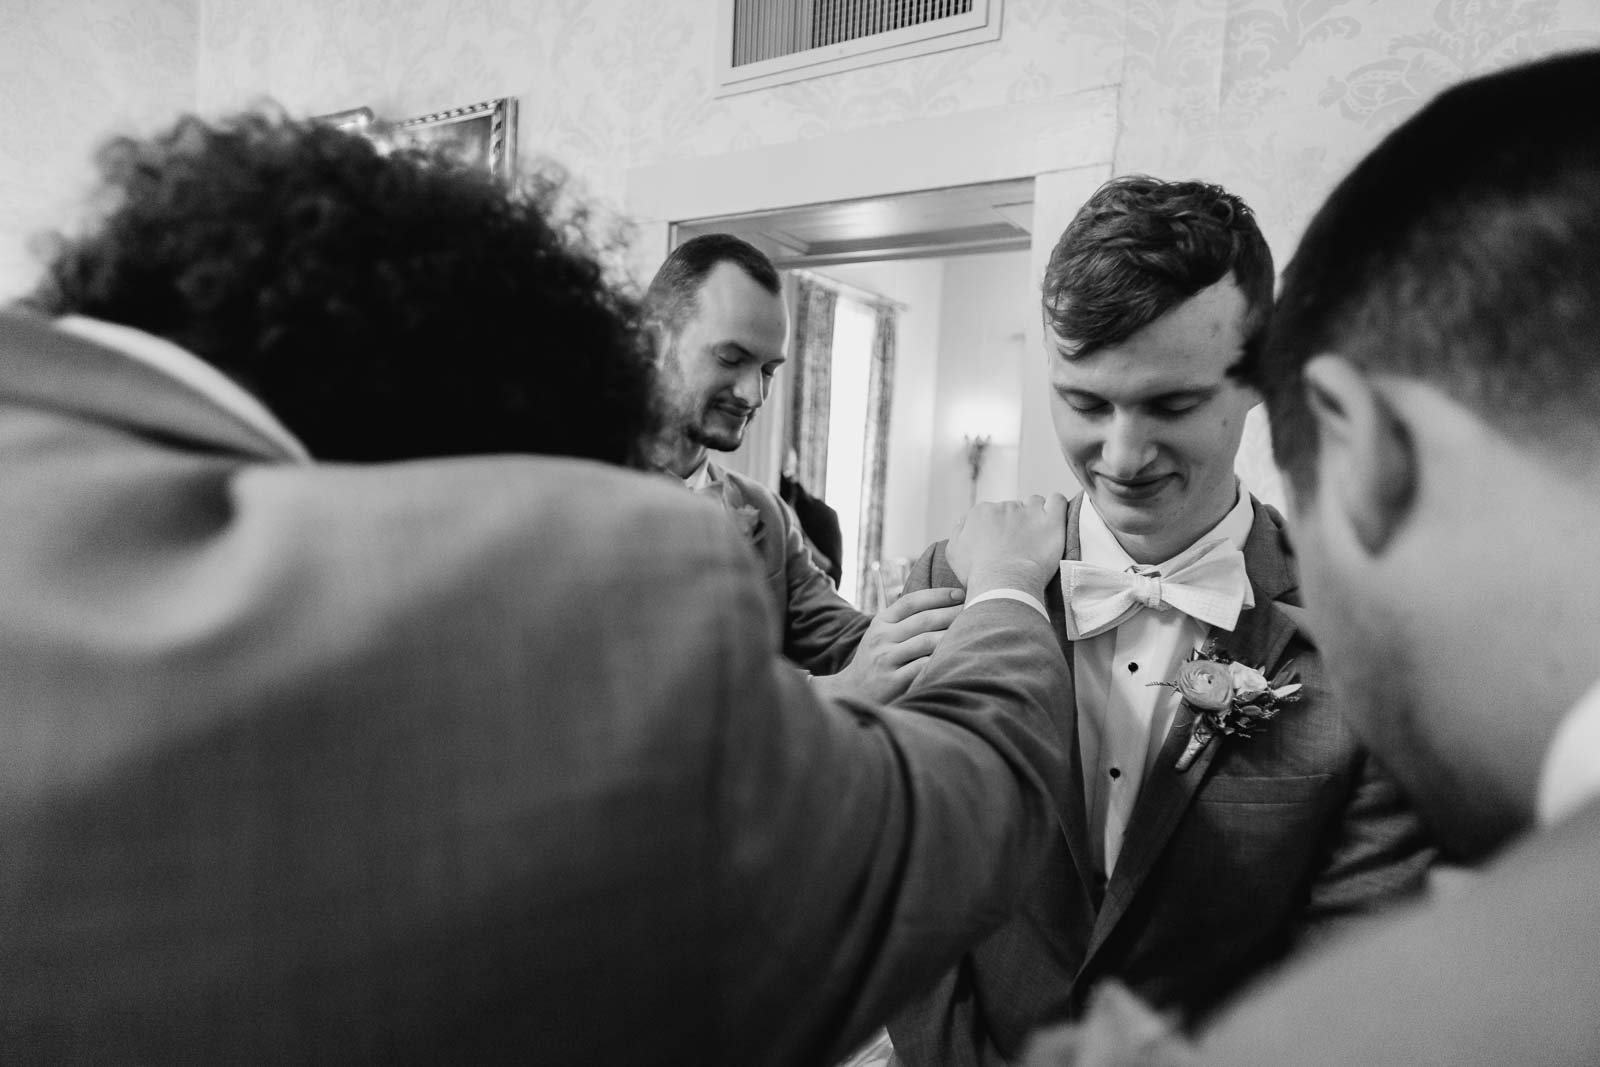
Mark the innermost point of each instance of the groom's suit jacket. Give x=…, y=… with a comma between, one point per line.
x=820, y=629
x=466, y=761
x=1224, y=865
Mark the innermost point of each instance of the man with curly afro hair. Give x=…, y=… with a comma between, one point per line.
x=381, y=307
x=354, y=713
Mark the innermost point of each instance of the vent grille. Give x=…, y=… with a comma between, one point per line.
x=769, y=29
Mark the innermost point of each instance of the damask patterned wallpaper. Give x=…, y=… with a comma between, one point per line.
x=1272, y=98
x=608, y=85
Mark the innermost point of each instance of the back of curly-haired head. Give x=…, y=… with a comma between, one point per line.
x=1141, y=246
x=384, y=305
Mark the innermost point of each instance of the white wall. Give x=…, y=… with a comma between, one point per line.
x=70, y=74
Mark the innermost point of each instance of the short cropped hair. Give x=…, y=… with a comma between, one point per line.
x=1464, y=251
x=1141, y=246
x=384, y=305
x=674, y=293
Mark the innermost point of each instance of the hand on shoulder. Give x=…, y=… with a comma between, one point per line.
x=1009, y=544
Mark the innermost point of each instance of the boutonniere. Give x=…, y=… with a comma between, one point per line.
x=745, y=519
x=748, y=520
x=1226, y=697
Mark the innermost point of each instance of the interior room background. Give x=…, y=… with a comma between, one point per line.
x=1271, y=99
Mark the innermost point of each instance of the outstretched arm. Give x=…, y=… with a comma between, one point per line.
x=866, y=847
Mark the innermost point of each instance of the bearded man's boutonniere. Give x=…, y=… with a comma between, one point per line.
x=745, y=519
x=1226, y=697
x=748, y=521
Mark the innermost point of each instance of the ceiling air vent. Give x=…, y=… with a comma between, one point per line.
x=762, y=43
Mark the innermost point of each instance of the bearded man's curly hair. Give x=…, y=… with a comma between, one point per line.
x=385, y=305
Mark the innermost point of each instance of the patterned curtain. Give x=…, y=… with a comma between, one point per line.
x=811, y=357
x=880, y=391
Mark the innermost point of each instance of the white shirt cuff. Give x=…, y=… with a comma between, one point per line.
x=1009, y=594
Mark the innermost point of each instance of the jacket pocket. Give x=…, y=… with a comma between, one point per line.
x=1275, y=790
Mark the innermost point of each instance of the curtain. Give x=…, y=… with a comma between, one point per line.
x=875, y=456
x=812, y=362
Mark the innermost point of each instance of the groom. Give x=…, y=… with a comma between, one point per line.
x=1184, y=863
x=1433, y=384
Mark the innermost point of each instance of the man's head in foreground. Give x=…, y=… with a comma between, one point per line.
x=1153, y=294
x=1433, y=378
x=384, y=305
x=716, y=308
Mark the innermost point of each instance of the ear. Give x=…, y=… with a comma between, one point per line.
x=660, y=339
x=1367, y=463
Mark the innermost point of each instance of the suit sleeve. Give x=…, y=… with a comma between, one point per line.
x=948, y=1005
x=820, y=628
x=1379, y=855
x=1504, y=973
x=921, y=573
x=865, y=847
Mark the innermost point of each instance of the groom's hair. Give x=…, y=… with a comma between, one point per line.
x=1141, y=246
x=384, y=305
x=1464, y=251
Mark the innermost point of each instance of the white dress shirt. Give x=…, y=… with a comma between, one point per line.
x=700, y=477
x=1122, y=718
x=1571, y=773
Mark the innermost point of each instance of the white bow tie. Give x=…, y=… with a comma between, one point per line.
x=1207, y=583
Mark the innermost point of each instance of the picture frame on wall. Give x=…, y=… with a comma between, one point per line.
x=355, y=119
x=483, y=134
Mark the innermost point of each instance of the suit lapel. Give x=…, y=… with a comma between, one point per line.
x=1264, y=631
x=1259, y=639
x=44, y=367
x=1162, y=802
x=742, y=511
x=1074, y=819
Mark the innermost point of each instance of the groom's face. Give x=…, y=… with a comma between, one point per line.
x=1150, y=425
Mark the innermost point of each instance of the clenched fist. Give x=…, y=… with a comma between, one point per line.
x=1015, y=544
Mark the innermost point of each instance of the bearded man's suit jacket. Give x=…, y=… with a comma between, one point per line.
x=474, y=760
x=820, y=629
x=1223, y=867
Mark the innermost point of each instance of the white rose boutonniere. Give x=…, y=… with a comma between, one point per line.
x=748, y=521
x=745, y=519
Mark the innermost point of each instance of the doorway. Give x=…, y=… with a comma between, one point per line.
x=945, y=264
